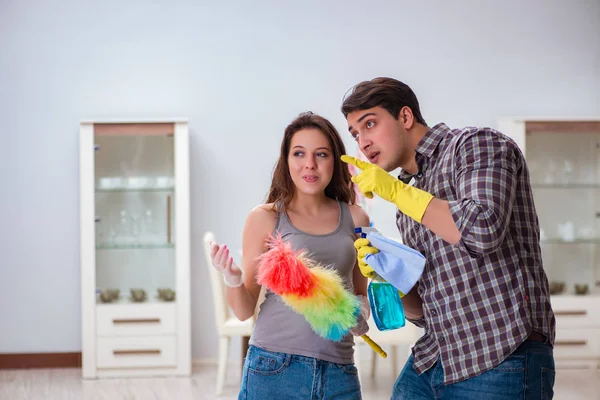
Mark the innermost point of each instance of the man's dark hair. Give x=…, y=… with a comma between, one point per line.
x=388, y=93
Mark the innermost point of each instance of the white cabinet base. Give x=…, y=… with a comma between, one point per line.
x=136, y=319
x=137, y=352
x=577, y=342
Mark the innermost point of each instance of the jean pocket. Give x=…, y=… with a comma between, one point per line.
x=263, y=362
x=514, y=363
x=548, y=376
x=348, y=369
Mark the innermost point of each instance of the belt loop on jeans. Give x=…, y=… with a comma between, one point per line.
x=288, y=359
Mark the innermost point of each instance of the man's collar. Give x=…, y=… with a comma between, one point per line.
x=430, y=142
x=427, y=147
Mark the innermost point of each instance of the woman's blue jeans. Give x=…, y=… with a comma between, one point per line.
x=270, y=375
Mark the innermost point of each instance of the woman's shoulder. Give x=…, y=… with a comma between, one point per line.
x=359, y=216
x=262, y=216
x=264, y=209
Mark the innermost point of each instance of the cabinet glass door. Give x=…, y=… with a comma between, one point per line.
x=565, y=176
x=135, y=215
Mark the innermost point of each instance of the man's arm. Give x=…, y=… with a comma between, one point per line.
x=486, y=166
x=438, y=219
x=412, y=303
x=486, y=182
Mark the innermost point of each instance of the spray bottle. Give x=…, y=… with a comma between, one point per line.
x=397, y=268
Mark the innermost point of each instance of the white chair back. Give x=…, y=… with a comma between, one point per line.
x=217, y=284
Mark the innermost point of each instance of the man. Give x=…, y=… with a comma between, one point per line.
x=465, y=202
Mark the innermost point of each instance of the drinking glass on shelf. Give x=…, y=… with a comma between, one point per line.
x=149, y=226
x=135, y=228
x=566, y=231
x=124, y=227
x=162, y=182
x=117, y=183
x=534, y=171
x=586, y=233
x=113, y=229
x=550, y=172
x=138, y=182
x=568, y=172
x=150, y=182
x=99, y=233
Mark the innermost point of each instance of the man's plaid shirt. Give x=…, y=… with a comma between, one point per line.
x=484, y=296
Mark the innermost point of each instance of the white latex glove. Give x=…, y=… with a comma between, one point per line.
x=223, y=262
x=362, y=326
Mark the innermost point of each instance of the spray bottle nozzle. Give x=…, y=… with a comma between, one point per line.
x=365, y=229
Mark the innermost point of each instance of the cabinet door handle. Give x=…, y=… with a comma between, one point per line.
x=149, y=352
x=137, y=321
x=570, y=342
x=574, y=312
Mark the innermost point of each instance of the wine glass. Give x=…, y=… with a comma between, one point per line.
x=124, y=227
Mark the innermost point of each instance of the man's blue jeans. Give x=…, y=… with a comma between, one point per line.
x=528, y=373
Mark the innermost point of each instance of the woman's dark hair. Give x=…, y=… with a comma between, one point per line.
x=282, y=187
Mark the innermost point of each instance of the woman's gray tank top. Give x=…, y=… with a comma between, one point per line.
x=278, y=328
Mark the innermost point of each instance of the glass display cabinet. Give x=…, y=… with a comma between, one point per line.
x=135, y=248
x=563, y=156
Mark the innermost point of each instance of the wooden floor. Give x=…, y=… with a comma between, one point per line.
x=66, y=384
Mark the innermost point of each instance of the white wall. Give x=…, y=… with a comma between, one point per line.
x=240, y=71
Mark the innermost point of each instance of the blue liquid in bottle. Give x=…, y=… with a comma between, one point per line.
x=386, y=306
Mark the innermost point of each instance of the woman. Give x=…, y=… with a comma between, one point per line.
x=311, y=205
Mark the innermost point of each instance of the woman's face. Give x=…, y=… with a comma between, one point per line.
x=310, y=161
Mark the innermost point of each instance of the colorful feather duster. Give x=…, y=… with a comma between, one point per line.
x=311, y=290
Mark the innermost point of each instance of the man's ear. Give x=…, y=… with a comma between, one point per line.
x=406, y=117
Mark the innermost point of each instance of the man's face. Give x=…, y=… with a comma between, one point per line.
x=381, y=137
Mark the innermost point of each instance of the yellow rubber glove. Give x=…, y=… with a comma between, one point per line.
x=373, y=179
x=363, y=246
